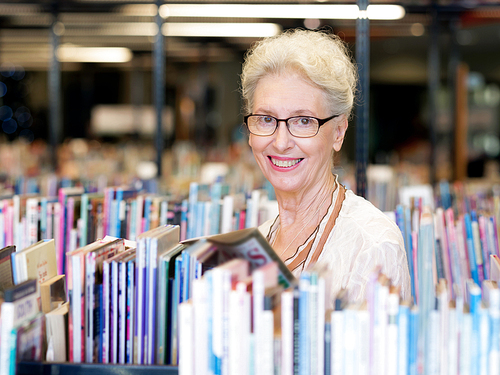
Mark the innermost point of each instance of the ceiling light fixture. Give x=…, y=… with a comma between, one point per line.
x=72, y=53
x=242, y=30
x=319, y=11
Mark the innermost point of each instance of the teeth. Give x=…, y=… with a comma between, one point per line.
x=285, y=163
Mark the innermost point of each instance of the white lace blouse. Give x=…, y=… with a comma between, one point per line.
x=362, y=238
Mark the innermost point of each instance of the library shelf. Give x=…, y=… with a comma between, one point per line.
x=45, y=368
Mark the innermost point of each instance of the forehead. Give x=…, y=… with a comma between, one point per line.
x=290, y=93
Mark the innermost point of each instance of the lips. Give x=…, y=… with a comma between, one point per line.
x=285, y=163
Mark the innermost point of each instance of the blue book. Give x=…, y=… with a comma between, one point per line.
x=212, y=359
x=413, y=341
x=471, y=251
x=444, y=188
x=408, y=248
x=184, y=220
x=474, y=297
x=199, y=219
x=147, y=213
x=304, y=324
x=215, y=196
x=193, y=199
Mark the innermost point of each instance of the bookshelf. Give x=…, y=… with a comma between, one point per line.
x=32, y=368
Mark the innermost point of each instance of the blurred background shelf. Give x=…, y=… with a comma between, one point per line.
x=32, y=368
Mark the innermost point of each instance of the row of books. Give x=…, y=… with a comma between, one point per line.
x=245, y=322
x=75, y=217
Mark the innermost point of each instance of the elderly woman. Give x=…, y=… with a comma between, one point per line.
x=299, y=89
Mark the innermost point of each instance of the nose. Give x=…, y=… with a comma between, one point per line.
x=283, y=137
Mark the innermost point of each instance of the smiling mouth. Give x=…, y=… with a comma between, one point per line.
x=285, y=163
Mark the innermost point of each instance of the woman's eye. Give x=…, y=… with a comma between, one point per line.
x=267, y=120
x=304, y=121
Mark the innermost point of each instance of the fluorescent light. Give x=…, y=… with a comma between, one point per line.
x=255, y=30
x=320, y=11
x=70, y=53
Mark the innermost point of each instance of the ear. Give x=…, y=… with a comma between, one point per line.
x=339, y=134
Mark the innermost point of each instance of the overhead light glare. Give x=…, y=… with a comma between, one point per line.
x=300, y=11
x=71, y=53
x=242, y=30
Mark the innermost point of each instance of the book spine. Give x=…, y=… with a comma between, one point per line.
x=193, y=199
x=413, y=342
x=61, y=231
x=470, y=249
x=122, y=311
x=114, y=313
x=200, y=307
x=32, y=216
x=84, y=215
x=152, y=306
x=484, y=340
x=287, y=322
x=186, y=341
x=392, y=334
x=140, y=300
x=403, y=339
x=466, y=359
x=130, y=311
x=304, y=334
x=477, y=247
x=484, y=247
x=106, y=321
x=494, y=333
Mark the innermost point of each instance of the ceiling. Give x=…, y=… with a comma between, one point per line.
x=398, y=47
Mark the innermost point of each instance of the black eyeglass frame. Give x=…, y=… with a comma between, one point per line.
x=321, y=122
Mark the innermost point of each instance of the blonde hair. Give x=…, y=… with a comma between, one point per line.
x=322, y=58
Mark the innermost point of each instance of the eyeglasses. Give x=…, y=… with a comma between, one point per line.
x=298, y=126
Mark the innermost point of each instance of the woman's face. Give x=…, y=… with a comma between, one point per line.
x=294, y=164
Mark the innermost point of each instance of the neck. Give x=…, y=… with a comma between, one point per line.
x=298, y=208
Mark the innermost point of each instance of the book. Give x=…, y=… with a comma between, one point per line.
x=93, y=294
x=56, y=323
x=6, y=277
x=30, y=340
x=251, y=245
x=19, y=305
x=37, y=261
x=53, y=293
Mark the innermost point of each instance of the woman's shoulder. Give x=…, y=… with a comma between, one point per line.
x=358, y=211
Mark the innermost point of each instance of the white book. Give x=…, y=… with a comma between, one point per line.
x=494, y=313
x=363, y=345
x=465, y=361
x=207, y=216
x=431, y=346
x=32, y=215
x=227, y=214
x=76, y=308
x=350, y=339
x=20, y=305
x=266, y=343
x=338, y=334
x=287, y=332
x=392, y=334
x=453, y=341
x=200, y=306
x=380, y=325
x=403, y=337
x=254, y=214
x=186, y=340
x=314, y=316
x=484, y=340
x=239, y=330
x=262, y=277
x=321, y=325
